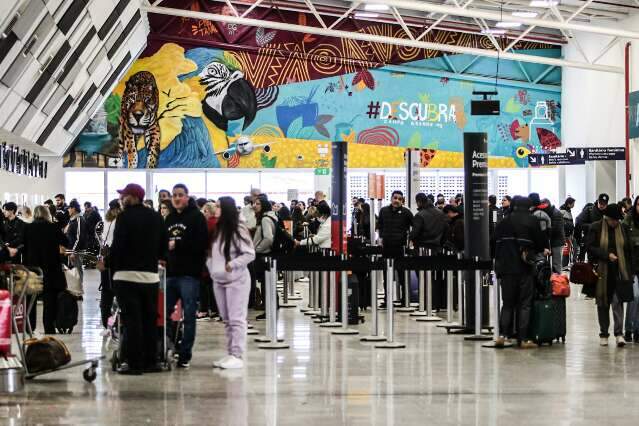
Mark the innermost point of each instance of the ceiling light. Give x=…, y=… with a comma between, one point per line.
x=544, y=3
x=366, y=15
x=525, y=14
x=503, y=24
x=493, y=31
x=376, y=7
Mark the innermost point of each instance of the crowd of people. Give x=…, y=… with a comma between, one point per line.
x=213, y=251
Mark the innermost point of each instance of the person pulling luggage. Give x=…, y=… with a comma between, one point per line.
x=519, y=242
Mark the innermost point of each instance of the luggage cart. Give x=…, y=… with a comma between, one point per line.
x=118, y=330
x=22, y=331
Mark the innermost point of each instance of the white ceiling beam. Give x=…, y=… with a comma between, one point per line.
x=373, y=38
x=354, y=6
x=578, y=11
x=525, y=33
x=230, y=5
x=310, y=6
x=522, y=5
x=492, y=16
x=400, y=20
x=439, y=20
x=606, y=49
x=250, y=9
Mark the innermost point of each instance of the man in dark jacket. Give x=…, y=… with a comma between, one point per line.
x=557, y=236
x=454, y=239
x=91, y=218
x=429, y=225
x=76, y=232
x=518, y=240
x=61, y=211
x=588, y=216
x=13, y=231
x=139, y=243
x=188, y=236
x=393, y=225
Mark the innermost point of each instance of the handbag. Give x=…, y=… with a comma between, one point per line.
x=583, y=273
x=74, y=282
x=560, y=285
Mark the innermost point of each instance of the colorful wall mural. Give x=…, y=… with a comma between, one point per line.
x=202, y=107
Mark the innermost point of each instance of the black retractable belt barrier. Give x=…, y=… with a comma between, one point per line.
x=429, y=317
x=270, y=288
x=331, y=297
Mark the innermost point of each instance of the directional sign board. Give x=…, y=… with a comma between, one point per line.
x=606, y=153
x=553, y=159
x=577, y=155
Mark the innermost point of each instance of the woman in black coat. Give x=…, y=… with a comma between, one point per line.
x=42, y=241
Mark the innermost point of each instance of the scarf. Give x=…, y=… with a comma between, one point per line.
x=602, y=269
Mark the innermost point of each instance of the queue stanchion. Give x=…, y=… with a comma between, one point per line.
x=288, y=282
x=292, y=294
x=478, y=336
x=429, y=297
x=390, y=342
x=331, y=298
x=450, y=290
x=460, y=324
x=421, y=310
x=496, y=316
x=344, y=299
x=271, y=341
x=375, y=335
x=407, y=307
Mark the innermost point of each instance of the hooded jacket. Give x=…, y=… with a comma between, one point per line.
x=265, y=233
x=545, y=223
x=569, y=223
x=557, y=235
x=189, y=231
x=242, y=253
x=77, y=233
x=429, y=227
x=586, y=218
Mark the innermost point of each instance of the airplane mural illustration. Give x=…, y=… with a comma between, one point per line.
x=243, y=146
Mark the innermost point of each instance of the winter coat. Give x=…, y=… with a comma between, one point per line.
x=323, y=237
x=394, y=225
x=455, y=235
x=633, y=232
x=586, y=218
x=42, y=241
x=241, y=254
x=557, y=235
x=265, y=233
x=189, y=231
x=545, y=224
x=515, y=236
x=569, y=223
x=429, y=228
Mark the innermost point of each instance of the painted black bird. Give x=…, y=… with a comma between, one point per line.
x=228, y=96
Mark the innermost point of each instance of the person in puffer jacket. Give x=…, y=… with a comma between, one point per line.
x=231, y=252
x=557, y=233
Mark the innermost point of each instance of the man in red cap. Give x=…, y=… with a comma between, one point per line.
x=139, y=243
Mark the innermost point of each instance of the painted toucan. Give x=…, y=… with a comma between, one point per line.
x=229, y=96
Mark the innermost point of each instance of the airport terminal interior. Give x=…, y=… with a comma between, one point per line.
x=331, y=212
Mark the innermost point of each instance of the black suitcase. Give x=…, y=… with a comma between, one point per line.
x=67, y=312
x=559, y=307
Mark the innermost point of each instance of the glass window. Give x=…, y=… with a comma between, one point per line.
x=120, y=179
x=85, y=186
x=194, y=181
x=544, y=181
x=231, y=184
x=277, y=184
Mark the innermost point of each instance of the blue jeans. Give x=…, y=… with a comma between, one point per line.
x=186, y=289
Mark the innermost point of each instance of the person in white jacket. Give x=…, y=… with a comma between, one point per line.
x=231, y=252
x=323, y=237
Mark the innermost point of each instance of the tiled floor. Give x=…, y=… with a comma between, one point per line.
x=337, y=380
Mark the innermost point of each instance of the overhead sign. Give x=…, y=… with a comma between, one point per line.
x=576, y=155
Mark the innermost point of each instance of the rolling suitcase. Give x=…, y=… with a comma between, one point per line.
x=559, y=307
x=543, y=322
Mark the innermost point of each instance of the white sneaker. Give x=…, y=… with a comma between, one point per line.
x=603, y=341
x=621, y=342
x=219, y=362
x=232, y=363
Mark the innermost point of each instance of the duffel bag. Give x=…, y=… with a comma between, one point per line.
x=560, y=285
x=583, y=273
x=47, y=353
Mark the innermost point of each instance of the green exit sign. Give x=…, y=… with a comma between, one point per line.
x=323, y=171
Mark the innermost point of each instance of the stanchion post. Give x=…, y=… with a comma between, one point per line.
x=372, y=222
x=390, y=342
x=375, y=335
x=421, y=310
x=285, y=291
x=460, y=294
x=332, y=309
x=268, y=308
x=344, y=297
x=478, y=314
x=429, y=297
x=407, y=308
x=291, y=286
x=272, y=306
x=449, y=294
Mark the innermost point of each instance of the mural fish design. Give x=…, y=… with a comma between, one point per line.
x=547, y=139
x=229, y=96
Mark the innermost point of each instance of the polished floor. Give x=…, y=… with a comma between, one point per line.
x=325, y=379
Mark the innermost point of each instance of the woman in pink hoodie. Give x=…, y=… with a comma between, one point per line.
x=231, y=252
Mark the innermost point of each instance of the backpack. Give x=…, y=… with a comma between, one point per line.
x=67, y=315
x=282, y=240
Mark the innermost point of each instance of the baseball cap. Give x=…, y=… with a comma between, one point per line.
x=134, y=190
x=603, y=198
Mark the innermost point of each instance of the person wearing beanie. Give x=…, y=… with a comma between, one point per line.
x=609, y=245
